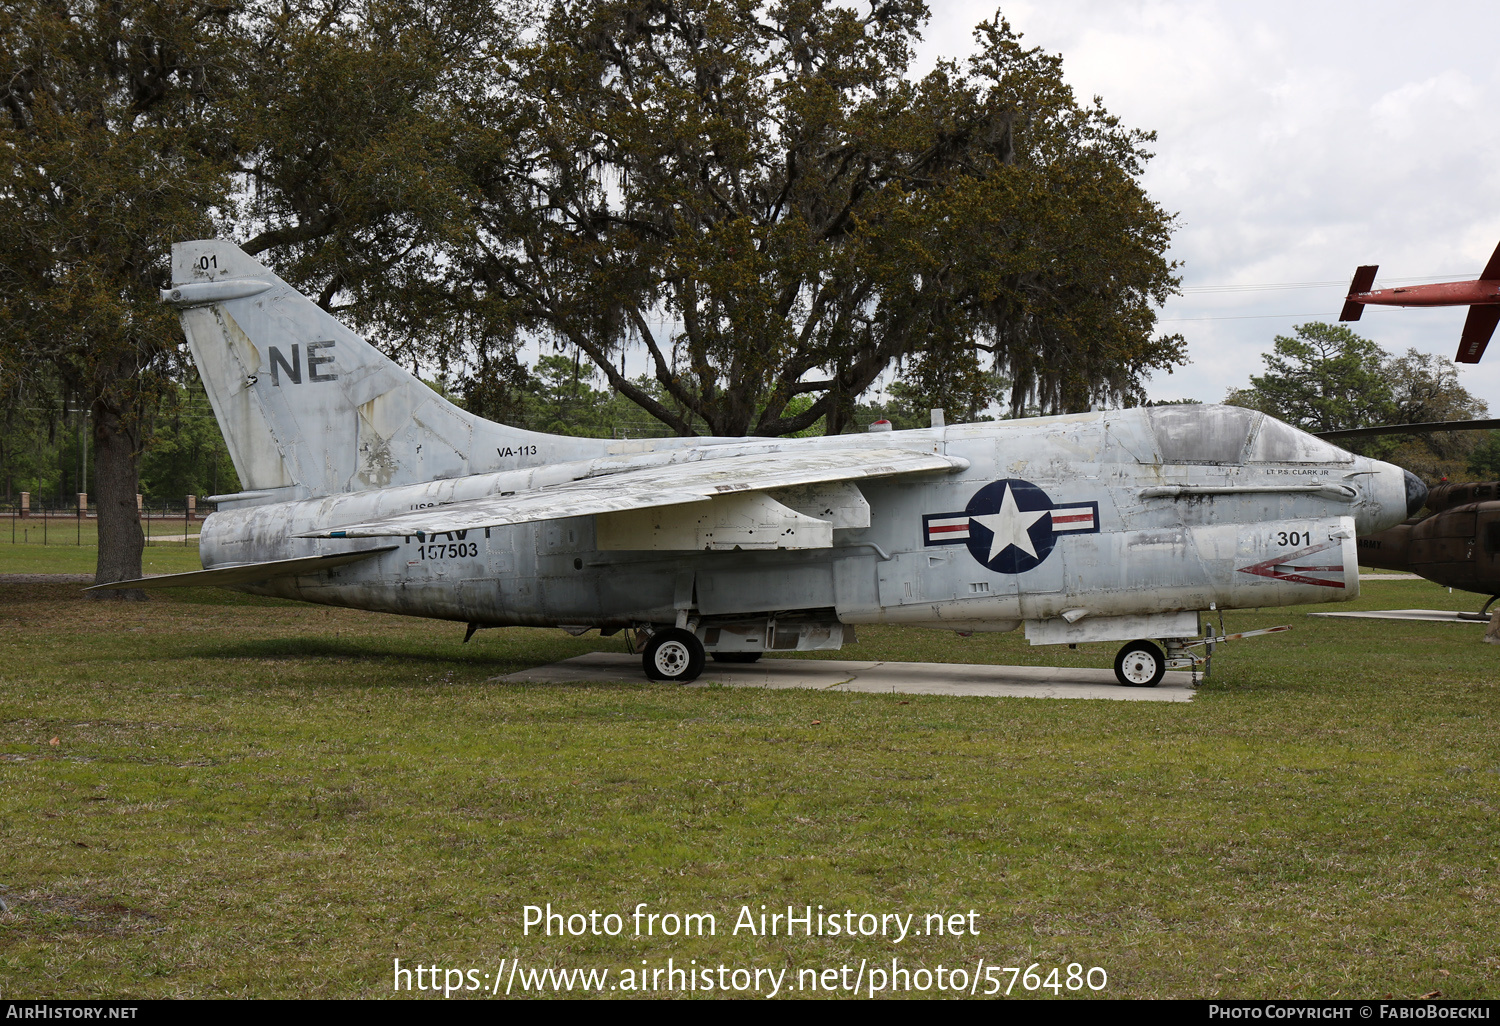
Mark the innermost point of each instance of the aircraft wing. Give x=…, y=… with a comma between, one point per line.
x=653, y=486
x=245, y=573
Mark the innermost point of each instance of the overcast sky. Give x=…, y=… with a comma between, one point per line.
x=1295, y=142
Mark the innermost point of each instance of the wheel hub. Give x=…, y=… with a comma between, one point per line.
x=672, y=658
x=1140, y=668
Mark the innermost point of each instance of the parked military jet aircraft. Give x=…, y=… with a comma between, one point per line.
x=1481, y=296
x=363, y=487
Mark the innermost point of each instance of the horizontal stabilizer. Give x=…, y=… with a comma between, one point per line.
x=654, y=486
x=245, y=573
x=1478, y=328
x=1364, y=277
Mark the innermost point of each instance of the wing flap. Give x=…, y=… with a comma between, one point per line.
x=652, y=486
x=245, y=573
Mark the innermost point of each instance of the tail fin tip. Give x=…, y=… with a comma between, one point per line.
x=205, y=260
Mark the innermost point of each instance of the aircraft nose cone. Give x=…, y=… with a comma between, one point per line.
x=1416, y=493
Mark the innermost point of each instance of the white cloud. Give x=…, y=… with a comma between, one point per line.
x=1296, y=141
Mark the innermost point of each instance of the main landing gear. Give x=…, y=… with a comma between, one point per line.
x=674, y=654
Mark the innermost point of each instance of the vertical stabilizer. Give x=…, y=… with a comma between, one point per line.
x=309, y=408
x=1491, y=270
x=1364, y=277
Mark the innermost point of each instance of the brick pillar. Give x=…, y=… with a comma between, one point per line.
x=140, y=504
x=83, y=504
x=25, y=504
x=192, y=507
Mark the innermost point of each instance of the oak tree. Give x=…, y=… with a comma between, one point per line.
x=326, y=134
x=360, y=125
x=762, y=197
x=109, y=152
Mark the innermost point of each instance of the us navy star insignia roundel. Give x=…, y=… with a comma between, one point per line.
x=1010, y=526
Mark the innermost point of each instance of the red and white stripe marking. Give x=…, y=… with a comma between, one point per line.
x=948, y=529
x=1073, y=518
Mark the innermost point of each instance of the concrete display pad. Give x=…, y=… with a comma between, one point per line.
x=1439, y=615
x=880, y=677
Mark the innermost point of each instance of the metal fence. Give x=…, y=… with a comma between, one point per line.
x=163, y=521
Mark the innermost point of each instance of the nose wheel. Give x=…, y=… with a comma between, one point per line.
x=1140, y=664
x=674, y=654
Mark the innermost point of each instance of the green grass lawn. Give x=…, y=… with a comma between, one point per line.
x=208, y=794
x=70, y=546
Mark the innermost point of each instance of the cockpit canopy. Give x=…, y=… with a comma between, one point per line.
x=1232, y=434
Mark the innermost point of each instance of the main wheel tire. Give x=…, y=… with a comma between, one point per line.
x=736, y=657
x=673, y=654
x=1140, y=664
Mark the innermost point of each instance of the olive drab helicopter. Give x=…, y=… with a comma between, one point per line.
x=1457, y=543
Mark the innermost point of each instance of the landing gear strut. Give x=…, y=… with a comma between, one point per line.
x=674, y=654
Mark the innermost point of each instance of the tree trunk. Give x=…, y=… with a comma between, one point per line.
x=117, y=477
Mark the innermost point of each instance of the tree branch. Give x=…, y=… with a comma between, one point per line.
x=290, y=236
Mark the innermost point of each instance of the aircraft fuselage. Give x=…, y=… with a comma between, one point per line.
x=1093, y=515
x=1452, y=293
x=364, y=487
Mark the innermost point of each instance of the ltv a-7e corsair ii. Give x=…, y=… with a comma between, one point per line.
x=363, y=487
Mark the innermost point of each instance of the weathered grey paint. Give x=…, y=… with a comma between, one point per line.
x=1174, y=509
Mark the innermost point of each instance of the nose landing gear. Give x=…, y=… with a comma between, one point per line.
x=1140, y=664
